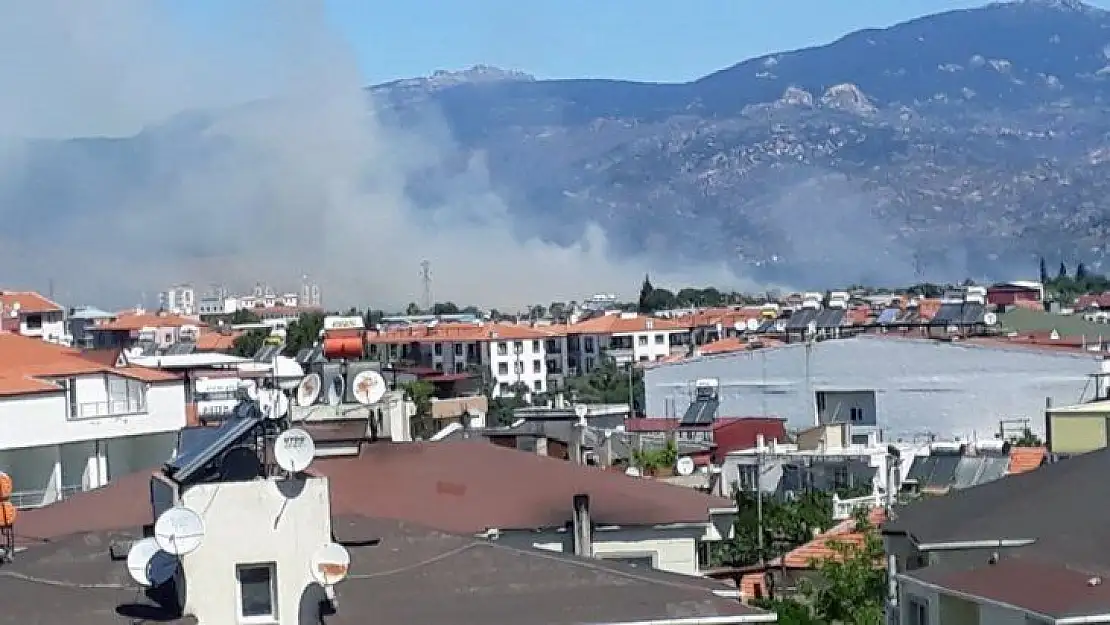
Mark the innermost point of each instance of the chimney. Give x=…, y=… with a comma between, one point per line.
x=759, y=442
x=583, y=528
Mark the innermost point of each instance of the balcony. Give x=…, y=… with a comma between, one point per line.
x=844, y=508
x=110, y=408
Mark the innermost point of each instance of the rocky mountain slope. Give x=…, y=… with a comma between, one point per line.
x=960, y=144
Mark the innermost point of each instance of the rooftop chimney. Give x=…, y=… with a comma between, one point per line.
x=583, y=528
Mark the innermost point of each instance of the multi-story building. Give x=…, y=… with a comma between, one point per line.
x=72, y=421
x=625, y=337
x=139, y=326
x=514, y=355
x=30, y=314
x=179, y=299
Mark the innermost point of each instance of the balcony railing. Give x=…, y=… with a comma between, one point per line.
x=843, y=508
x=26, y=499
x=110, y=408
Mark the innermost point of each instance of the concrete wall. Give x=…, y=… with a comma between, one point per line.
x=945, y=388
x=948, y=610
x=672, y=549
x=297, y=521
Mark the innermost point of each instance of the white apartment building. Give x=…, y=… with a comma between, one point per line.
x=514, y=355
x=71, y=423
x=180, y=299
x=30, y=314
x=625, y=337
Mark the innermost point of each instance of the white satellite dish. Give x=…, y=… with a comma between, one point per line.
x=149, y=565
x=330, y=564
x=811, y=327
x=990, y=319
x=308, y=391
x=685, y=466
x=334, y=392
x=273, y=403
x=368, y=387
x=752, y=325
x=581, y=410
x=179, y=531
x=288, y=372
x=632, y=472
x=294, y=450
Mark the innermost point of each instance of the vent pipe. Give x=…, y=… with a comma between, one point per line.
x=583, y=528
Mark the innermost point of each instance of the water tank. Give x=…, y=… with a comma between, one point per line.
x=344, y=347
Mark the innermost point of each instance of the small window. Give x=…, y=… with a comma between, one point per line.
x=518, y=347
x=643, y=340
x=536, y=347
x=855, y=414
x=257, y=592
x=458, y=349
x=502, y=368
x=537, y=366
x=660, y=339
x=439, y=349
x=538, y=386
x=502, y=348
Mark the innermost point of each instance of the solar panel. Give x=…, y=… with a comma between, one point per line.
x=967, y=472
x=888, y=315
x=831, y=318
x=266, y=353
x=944, y=473
x=767, y=327
x=973, y=313
x=181, y=348
x=948, y=313
x=993, y=469
x=202, y=449
x=921, y=469
x=701, y=412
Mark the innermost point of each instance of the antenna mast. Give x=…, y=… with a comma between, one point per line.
x=426, y=278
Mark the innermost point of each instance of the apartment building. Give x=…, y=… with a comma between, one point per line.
x=515, y=355
x=139, y=326
x=30, y=314
x=625, y=337
x=73, y=420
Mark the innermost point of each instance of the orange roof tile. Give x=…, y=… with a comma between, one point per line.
x=860, y=315
x=28, y=364
x=138, y=320
x=620, y=324
x=461, y=332
x=724, y=346
x=727, y=317
x=211, y=341
x=28, y=301
x=821, y=548
x=1025, y=459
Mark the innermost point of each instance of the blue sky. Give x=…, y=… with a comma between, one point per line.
x=656, y=40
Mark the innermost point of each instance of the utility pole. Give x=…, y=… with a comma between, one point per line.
x=426, y=278
x=759, y=496
x=893, y=474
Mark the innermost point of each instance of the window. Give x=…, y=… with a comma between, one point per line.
x=660, y=339
x=917, y=611
x=518, y=347
x=257, y=590
x=504, y=389
x=518, y=367
x=439, y=349
x=820, y=402
x=855, y=414
x=536, y=347
x=748, y=478
x=458, y=349
x=645, y=561
x=458, y=367
x=502, y=368
x=502, y=349
x=589, y=343
x=538, y=386
x=643, y=340
x=537, y=366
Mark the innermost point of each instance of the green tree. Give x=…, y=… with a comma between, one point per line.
x=445, y=308
x=501, y=408
x=420, y=393
x=1044, y=271
x=608, y=384
x=557, y=310
x=243, y=316
x=1080, y=272
x=1063, y=272
x=246, y=345
x=412, y=309
x=1027, y=439
x=646, y=289
x=304, y=332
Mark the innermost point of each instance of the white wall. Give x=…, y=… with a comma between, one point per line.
x=292, y=525
x=52, y=328
x=531, y=351
x=989, y=614
x=42, y=419
x=672, y=549
x=948, y=388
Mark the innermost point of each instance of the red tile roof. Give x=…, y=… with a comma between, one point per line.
x=822, y=547
x=131, y=321
x=1024, y=459
x=621, y=324
x=28, y=302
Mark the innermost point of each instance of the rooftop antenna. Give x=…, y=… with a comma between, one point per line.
x=426, y=278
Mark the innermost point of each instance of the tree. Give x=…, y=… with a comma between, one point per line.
x=445, y=308
x=246, y=345
x=412, y=309
x=608, y=384
x=1080, y=272
x=1063, y=272
x=420, y=393
x=1027, y=439
x=646, y=290
x=304, y=332
x=243, y=316
x=1044, y=271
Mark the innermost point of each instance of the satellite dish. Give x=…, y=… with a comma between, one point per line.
x=273, y=403
x=149, y=565
x=330, y=564
x=811, y=327
x=335, y=390
x=294, y=450
x=990, y=319
x=685, y=466
x=632, y=472
x=179, y=531
x=308, y=391
x=581, y=410
x=288, y=372
x=368, y=387
x=250, y=389
x=752, y=325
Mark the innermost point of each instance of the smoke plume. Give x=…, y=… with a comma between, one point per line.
x=143, y=147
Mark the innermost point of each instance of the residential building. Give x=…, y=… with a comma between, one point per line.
x=1078, y=428
x=31, y=314
x=723, y=434
x=81, y=319
x=179, y=299
x=75, y=420
x=133, y=327
x=254, y=561
x=880, y=382
x=625, y=337
x=514, y=355
x=1012, y=293
x=1024, y=549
